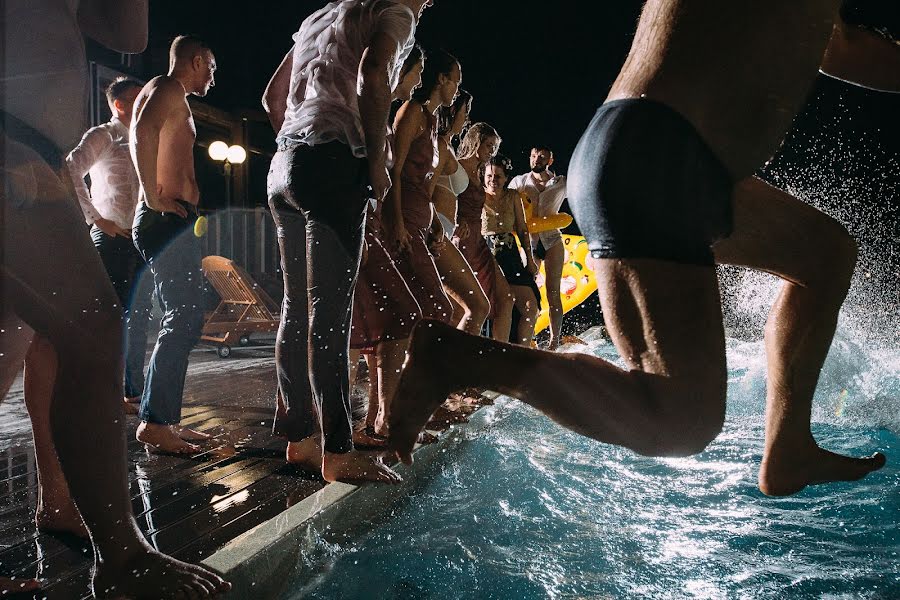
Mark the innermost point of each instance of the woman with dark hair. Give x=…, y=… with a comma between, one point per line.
x=384, y=310
x=503, y=220
x=412, y=232
x=471, y=305
x=478, y=145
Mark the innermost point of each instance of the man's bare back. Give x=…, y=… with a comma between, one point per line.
x=738, y=72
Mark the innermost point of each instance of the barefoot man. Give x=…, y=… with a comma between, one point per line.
x=162, y=148
x=53, y=283
x=662, y=187
x=329, y=102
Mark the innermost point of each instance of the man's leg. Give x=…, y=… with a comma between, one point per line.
x=815, y=257
x=665, y=320
x=332, y=266
x=137, y=320
x=553, y=264
x=66, y=297
x=173, y=253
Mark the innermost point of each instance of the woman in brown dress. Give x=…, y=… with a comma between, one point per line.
x=479, y=145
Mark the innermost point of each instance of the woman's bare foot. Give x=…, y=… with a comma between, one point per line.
x=18, y=585
x=443, y=418
x=132, y=406
x=357, y=467
x=421, y=389
x=306, y=454
x=61, y=517
x=163, y=439
x=426, y=437
x=786, y=471
x=191, y=435
x=150, y=574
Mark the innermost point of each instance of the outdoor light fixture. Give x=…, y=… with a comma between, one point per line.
x=236, y=154
x=219, y=151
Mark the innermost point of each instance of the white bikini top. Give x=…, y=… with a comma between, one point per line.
x=459, y=181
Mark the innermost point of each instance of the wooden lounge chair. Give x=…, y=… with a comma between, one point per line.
x=244, y=308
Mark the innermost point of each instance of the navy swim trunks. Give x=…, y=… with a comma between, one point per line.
x=644, y=184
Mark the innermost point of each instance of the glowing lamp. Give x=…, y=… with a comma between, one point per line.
x=236, y=154
x=220, y=150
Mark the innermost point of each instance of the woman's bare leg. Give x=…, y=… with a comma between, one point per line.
x=527, y=305
x=56, y=510
x=463, y=288
x=502, y=324
x=391, y=355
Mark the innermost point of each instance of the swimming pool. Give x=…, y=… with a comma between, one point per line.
x=517, y=507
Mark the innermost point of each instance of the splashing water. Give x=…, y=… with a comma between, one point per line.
x=519, y=507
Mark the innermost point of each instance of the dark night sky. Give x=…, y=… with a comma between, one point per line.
x=537, y=74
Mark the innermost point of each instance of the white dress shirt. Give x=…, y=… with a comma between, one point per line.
x=103, y=152
x=544, y=202
x=323, y=100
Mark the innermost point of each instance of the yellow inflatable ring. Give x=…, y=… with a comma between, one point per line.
x=201, y=226
x=556, y=221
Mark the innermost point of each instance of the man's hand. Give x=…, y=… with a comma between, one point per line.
x=111, y=229
x=168, y=205
x=379, y=179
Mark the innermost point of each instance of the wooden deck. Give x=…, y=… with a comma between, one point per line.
x=187, y=507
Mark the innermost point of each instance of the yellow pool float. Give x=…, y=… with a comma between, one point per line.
x=577, y=282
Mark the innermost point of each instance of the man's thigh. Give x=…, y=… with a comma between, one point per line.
x=665, y=319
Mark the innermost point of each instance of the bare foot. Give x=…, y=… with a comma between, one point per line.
x=426, y=437
x=784, y=472
x=458, y=403
x=367, y=437
x=191, y=435
x=150, y=574
x=306, y=454
x=18, y=585
x=163, y=439
x=420, y=390
x=443, y=418
x=132, y=408
x=356, y=467
x=60, y=519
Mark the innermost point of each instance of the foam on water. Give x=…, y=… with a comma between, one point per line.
x=522, y=508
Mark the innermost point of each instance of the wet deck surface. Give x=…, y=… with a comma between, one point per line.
x=188, y=507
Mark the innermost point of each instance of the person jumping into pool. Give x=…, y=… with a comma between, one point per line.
x=52, y=282
x=162, y=148
x=329, y=101
x=662, y=186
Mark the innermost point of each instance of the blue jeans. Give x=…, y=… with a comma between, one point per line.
x=168, y=244
x=133, y=284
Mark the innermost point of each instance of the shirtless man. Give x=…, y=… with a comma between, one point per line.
x=162, y=148
x=547, y=191
x=662, y=186
x=54, y=283
x=332, y=154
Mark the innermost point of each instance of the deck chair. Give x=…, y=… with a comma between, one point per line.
x=244, y=308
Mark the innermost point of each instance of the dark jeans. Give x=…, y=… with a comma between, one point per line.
x=318, y=196
x=133, y=284
x=172, y=251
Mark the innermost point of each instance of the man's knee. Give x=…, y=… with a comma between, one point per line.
x=689, y=426
x=836, y=260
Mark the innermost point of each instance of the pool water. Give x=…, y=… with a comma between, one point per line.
x=519, y=508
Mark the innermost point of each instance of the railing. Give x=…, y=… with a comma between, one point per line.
x=246, y=236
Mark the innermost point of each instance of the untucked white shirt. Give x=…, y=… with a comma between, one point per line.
x=323, y=101
x=103, y=152
x=544, y=202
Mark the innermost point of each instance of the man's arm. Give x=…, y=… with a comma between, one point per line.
x=274, y=99
x=521, y=227
x=80, y=160
x=120, y=25
x=164, y=96
x=375, y=70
